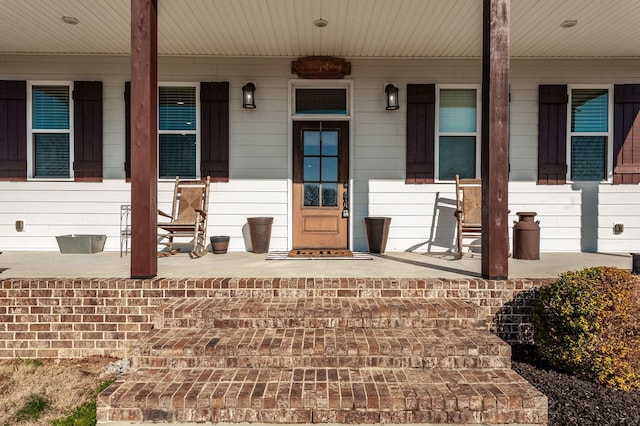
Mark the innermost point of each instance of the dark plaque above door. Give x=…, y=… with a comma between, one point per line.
x=321, y=67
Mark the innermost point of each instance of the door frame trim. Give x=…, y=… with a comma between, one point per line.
x=318, y=84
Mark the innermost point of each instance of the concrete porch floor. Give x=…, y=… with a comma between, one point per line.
x=50, y=264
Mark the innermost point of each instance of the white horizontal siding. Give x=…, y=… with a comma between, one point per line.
x=49, y=209
x=571, y=217
x=619, y=204
x=422, y=215
x=59, y=208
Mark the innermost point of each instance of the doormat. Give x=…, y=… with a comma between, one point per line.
x=318, y=254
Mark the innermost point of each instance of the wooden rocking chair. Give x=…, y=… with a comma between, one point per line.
x=188, y=218
x=468, y=212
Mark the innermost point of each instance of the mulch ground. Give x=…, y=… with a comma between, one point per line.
x=573, y=401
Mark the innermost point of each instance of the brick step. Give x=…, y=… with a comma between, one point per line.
x=277, y=348
x=319, y=312
x=323, y=395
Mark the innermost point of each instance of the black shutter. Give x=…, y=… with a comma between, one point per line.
x=552, y=134
x=421, y=115
x=626, y=134
x=13, y=130
x=127, y=130
x=87, y=130
x=214, y=134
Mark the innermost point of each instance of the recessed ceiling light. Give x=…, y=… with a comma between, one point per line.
x=70, y=20
x=320, y=23
x=569, y=23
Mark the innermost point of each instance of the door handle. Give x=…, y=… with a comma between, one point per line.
x=345, y=202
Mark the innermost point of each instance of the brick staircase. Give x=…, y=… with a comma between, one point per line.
x=321, y=360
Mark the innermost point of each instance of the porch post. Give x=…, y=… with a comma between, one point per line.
x=144, y=135
x=495, y=139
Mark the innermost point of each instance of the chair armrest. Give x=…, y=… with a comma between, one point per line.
x=161, y=213
x=202, y=212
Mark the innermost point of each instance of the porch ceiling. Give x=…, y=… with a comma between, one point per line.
x=356, y=28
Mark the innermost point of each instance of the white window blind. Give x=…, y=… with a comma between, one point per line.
x=589, y=110
x=589, y=133
x=50, y=107
x=51, y=155
x=588, y=155
x=51, y=133
x=177, y=108
x=177, y=156
x=457, y=139
x=457, y=110
x=177, y=122
x=457, y=157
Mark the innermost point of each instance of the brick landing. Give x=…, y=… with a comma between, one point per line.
x=322, y=359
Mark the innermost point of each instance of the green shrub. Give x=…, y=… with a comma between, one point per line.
x=588, y=323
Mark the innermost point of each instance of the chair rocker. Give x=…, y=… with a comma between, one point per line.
x=468, y=212
x=188, y=218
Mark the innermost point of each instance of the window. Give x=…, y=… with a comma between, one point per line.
x=320, y=165
x=177, y=132
x=51, y=146
x=589, y=134
x=457, y=137
x=211, y=130
x=321, y=101
x=577, y=138
x=54, y=130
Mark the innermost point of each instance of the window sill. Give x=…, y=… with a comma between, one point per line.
x=32, y=179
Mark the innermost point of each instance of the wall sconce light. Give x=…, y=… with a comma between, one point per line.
x=248, y=98
x=392, y=97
